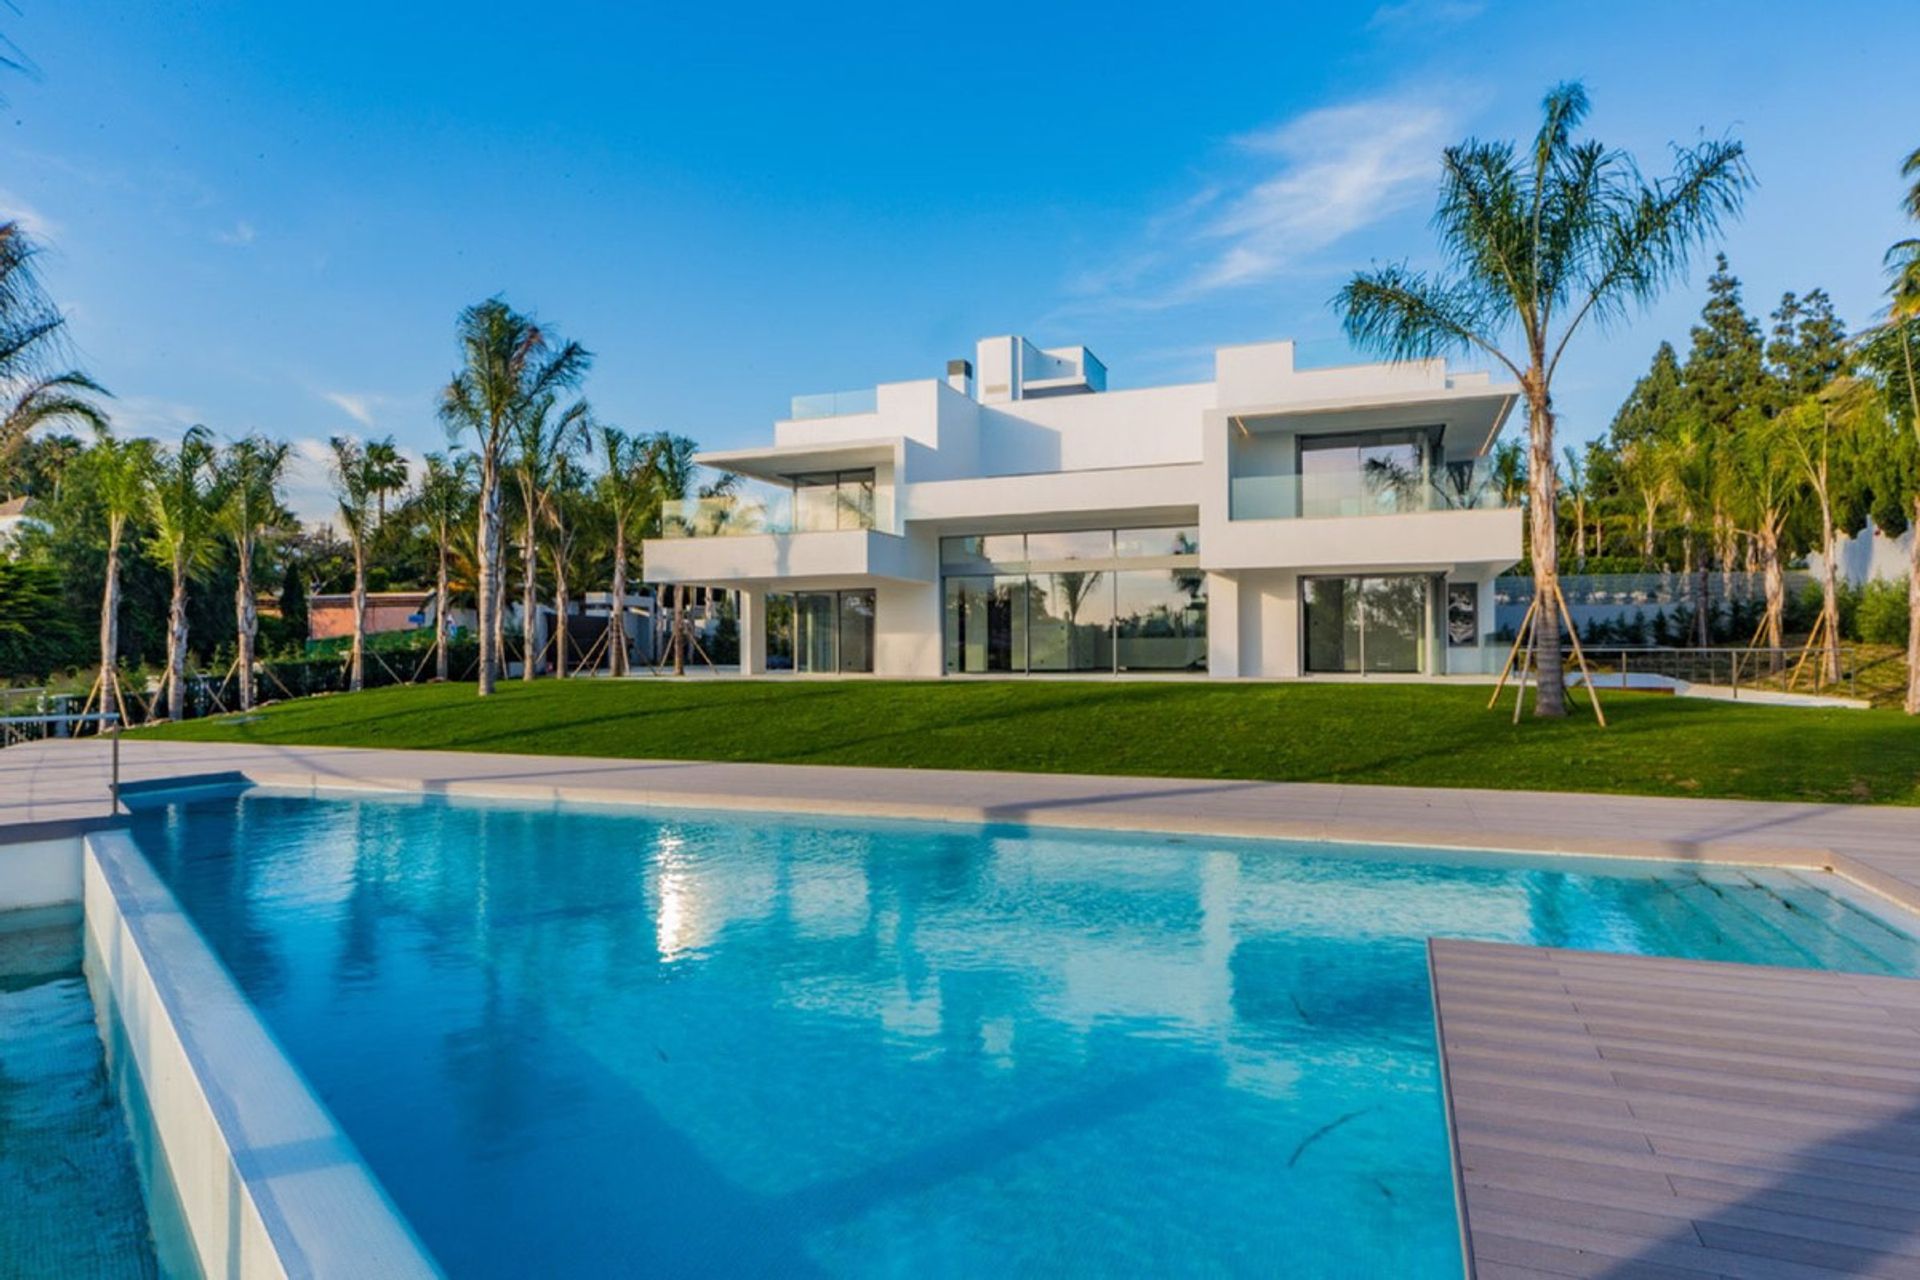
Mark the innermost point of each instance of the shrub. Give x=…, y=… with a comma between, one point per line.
x=1881, y=615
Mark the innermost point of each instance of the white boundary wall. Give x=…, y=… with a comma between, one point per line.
x=267, y=1184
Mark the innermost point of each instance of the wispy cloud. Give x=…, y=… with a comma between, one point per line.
x=240, y=233
x=358, y=407
x=1419, y=15
x=1287, y=193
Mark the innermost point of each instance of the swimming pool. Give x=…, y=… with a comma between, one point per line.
x=583, y=1040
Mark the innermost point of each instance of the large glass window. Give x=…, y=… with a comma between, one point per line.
x=814, y=632
x=1362, y=475
x=1070, y=621
x=1044, y=548
x=1160, y=620
x=986, y=623
x=833, y=500
x=856, y=631
x=1366, y=624
x=1075, y=605
x=820, y=631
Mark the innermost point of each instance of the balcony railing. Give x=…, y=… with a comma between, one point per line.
x=1452, y=486
x=769, y=509
x=834, y=404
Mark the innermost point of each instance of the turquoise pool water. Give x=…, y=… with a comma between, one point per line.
x=588, y=1041
x=70, y=1202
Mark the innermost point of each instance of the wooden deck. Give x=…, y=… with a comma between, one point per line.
x=1627, y=1117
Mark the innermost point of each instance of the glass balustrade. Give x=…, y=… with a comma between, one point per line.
x=1383, y=489
x=836, y=501
x=835, y=404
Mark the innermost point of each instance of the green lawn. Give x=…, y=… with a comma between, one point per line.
x=1423, y=735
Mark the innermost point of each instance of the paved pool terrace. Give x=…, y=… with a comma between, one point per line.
x=1610, y=1116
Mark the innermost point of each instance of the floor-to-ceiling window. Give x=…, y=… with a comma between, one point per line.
x=1084, y=600
x=820, y=631
x=1378, y=624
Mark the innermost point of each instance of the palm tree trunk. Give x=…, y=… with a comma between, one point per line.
x=1912, y=704
x=1776, y=588
x=1702, y=602
x=246, y=620
x=357, y=674
x=529, y=601
x=177, y=641
x=1829, y=590
x=560, y=603
x=1550, y=697
x=679, y=628
x=440, y=613
x=110, y=626
x=487, y=588
x=617, y=614
x=1646, y=536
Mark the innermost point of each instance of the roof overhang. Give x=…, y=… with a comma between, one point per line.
x=1470, y=416
x=781, y=462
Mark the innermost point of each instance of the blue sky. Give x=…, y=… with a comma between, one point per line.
x=267, y=216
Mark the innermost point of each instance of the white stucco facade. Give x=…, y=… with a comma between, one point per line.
x=1273, y=522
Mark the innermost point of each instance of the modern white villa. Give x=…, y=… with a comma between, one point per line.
x=1018, y=517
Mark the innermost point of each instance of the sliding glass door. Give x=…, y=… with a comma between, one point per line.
x=1369, y=625
x=832, y=631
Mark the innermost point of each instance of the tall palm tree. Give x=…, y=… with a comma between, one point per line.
x=446, y=498
x=119, y=474
x=1578, y=497
x=1903, y=317
x=1818, y=426
x=387, y=473
x=37, y=391
x=631, y=495
x=567, y=508
x=1766, y=488
x=250, y=473
x=508, y=362
x=355, y=474
x=1540, y=242
x=182, y=503
x=544, y=437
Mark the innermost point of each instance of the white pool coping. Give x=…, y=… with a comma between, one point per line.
x=268, y=1185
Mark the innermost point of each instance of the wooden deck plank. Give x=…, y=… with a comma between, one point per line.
x=1624, y=1116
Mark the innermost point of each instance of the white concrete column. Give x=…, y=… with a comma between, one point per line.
x=752, y=616
x=1223, y=625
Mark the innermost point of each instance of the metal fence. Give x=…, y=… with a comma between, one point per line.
x=1790, y=669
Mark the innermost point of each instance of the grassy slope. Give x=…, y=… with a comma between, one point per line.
x=1382, y=733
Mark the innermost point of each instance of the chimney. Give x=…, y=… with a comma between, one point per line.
x=960, y=376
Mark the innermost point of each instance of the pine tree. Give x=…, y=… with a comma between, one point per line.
x=1653, y=403
x=1809, y=346
x=1724, y=368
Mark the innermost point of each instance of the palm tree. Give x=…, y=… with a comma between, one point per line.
x=446, y=498
x=1766, y=490
x=387, y=473
x=183, y=502
x=1539, y=244
x=250, y=475
x=1578, y=496
x=1816, y=427
x=119, y=474
x=355, y=473
x=543, y=439
x=630, y=493
x=1903, y=316
x=508, y=361
x=1690, y=467
x=37, y=392
x=566, y=509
